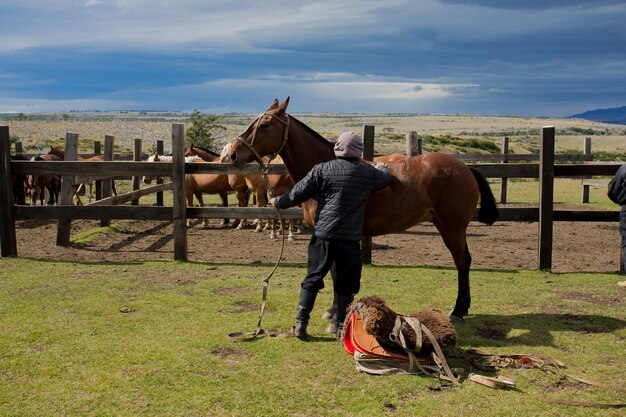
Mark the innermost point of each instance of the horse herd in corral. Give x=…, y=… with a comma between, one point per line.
x=35, y=187
x=242, y=185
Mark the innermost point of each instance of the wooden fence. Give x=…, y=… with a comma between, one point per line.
x=110, y=207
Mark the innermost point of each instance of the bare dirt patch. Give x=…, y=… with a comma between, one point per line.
x=578, y=246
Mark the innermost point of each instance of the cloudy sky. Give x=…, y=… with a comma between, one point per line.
x=519, y=57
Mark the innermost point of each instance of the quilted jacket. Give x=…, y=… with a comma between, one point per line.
x=342, y=187
x=617, y=187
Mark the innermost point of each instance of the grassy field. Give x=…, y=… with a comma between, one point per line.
x=130, y=339
x=38, y=132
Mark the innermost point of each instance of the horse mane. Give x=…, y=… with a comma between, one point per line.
x=311, y=131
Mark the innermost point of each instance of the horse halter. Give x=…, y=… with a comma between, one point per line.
x=250, y=145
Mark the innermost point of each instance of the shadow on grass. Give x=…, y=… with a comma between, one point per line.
x=531, y=329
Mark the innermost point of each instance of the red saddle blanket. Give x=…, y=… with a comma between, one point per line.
x=356, y=338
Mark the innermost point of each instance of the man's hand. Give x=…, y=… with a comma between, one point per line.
x=272, y=202
x=381, y=164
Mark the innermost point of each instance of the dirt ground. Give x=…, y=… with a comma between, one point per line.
x=577, y=246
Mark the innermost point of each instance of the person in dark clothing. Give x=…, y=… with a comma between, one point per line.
x=342, y=187
x=617, y=194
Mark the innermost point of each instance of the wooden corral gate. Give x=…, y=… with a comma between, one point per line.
x=109, y=208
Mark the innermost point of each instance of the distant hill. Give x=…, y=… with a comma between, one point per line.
x=615, y=115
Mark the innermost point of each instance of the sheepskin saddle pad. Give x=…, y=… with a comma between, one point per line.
x=397, y=332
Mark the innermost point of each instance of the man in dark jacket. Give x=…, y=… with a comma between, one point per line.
x=342, y=187
x=617, y=194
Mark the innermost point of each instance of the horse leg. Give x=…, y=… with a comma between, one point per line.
x=189, y=196
x=272, y=225
x=290, y=237
x=456, y=242
x=242, y=201
x=261, y=201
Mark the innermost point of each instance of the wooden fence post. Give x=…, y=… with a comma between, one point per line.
x=413, y=144
x=546, y=197
x=18, y=148
x=108, y=183
x=586, y=151
x=136, y=178
x=97, y=149
x=64, y=225
x=504, y=180
x=8, y=241
x=179, y=216
x=159, y=195
x=368, y=155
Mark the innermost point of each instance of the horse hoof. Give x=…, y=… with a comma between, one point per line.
x=291, y=238
x=332, y=328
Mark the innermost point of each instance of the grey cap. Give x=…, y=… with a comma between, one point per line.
x=349, y=145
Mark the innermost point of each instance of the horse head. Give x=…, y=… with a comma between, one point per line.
x=266, y=135
x=57, y=150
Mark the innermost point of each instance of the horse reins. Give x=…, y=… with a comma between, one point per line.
x=239, y=336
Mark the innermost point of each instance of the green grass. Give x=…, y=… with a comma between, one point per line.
x=150, y=338
x=566, y=191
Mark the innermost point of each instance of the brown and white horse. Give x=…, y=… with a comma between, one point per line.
x=433, y=187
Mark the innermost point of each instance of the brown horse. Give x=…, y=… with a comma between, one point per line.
x=36, y=185
x=204, y=153
x=433, y=187
x=196, y=184
x=237, y=183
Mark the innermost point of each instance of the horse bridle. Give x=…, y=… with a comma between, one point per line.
x=250, y=145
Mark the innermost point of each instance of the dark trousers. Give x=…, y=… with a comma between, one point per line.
x=622, y=230
x=347, y=257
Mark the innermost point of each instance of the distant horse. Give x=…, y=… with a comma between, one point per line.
x=237, y=183
x=197, y=184
x=60, y=152
x=147, y=179
x=37, y=185
x=432, y=187
x=204, y=153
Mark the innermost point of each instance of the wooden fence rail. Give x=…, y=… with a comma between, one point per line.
x=107, y=208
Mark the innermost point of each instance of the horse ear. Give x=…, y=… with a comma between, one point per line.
x=273, y=105
x=283, y=107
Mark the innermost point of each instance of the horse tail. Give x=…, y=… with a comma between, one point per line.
x=488, y=212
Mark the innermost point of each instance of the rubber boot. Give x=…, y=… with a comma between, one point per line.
x=343, y=302
x=305, y=306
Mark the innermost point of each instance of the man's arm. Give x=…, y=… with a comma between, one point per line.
x=304, y=189
x=382, y=176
